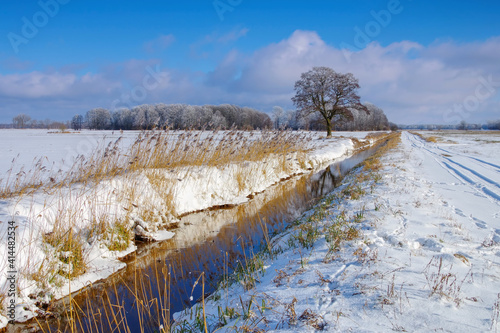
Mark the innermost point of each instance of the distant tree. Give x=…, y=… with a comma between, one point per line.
x=474, y=127
x=145, y=117
x=278, y=114
x=333, y=95
x=21, y=120
x=190, y=117
x=77, y=122
x=178, y=116
x=126, y=119
x=163, y=111
x=33, y=123
x=218, y=121
x=493, y=125
x=377, y=120
x=98, y=119
x=462, y=126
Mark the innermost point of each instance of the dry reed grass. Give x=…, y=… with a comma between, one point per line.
x=155, y=150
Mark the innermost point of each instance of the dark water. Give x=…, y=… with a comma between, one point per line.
x=164, y=278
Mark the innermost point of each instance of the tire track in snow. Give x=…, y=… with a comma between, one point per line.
x=473, y=177
x=424, y=143
x=494, y=166
x=486, y=179
x=485, y=190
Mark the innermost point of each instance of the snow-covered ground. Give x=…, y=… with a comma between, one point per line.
x=45, y=213
x=427, y=258
x=23, y=148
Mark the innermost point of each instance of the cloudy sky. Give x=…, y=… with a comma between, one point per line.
x=421, y=61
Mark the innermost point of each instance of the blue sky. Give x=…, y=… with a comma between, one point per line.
x=421, y=61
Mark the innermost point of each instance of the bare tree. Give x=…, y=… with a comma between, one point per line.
x=21, y=120
x=77, y=122
x=331, y=94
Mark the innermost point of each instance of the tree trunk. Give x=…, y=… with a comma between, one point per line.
x=328, y=128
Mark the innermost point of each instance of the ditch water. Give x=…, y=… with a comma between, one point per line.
x=164, y=278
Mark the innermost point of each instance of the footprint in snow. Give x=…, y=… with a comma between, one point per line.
x=393, y=240
x=325, y=301
x=479, y=223
x=459, y=212
x=430, y=244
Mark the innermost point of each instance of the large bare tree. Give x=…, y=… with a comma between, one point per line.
x=331, y=94
x=21, y=120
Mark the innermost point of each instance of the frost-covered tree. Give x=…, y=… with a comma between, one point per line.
x=332, y=95
x=145, y=116
x=77, y=122
x=218, y=121
x=98, y=119
x=178, y=116
x=164, y=115
x=126, y=119
x=190, y=117
x=376, y=120
x=278, y=114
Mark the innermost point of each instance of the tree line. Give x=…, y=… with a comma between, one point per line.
x=25, y=121
x=463, y=125
x=175, y=116
x=373, y=120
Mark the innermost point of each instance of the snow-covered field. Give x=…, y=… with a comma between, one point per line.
x=427, y=258
x=78, y=211
x=22, y=148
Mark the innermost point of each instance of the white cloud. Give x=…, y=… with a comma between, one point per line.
x=214, y=42
x=159, y=44
x=35, y=84
x=232, y=36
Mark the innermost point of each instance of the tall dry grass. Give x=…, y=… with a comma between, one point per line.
x=154, y=150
